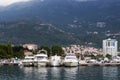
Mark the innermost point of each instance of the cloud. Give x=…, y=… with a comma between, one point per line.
x=9, y=2
x=85, y=0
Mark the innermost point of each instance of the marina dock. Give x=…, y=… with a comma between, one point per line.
x=99, y=64
x=81, y=64
x=9, y=64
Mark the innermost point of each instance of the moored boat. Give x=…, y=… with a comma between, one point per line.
x=55, y=61
x=41, y=59
x=28, y=61
x=70, y=60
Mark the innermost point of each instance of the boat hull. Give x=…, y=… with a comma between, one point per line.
x=41, y=64
x=28, y=63
x=70, y=64
x=55, y=63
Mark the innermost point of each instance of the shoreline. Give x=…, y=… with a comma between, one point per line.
x=81, y=64
x=99, y=64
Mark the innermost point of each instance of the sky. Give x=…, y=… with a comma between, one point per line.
x=9, y=2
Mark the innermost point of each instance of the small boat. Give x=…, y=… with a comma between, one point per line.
x=55, y=61
x=28, y=61
x=70, y=60
x=41, y=59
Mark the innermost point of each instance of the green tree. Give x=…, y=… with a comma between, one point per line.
x=17, y=48
x=46, y=48
x=57, y=50
x=10, y=50
x=3, y=53
x=108, y=56
x=18, y=51
x=99, y=57
x=7, y=51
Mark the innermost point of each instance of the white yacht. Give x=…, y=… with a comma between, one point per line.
x=55, y=61
x=28, y=61
x=70, y=60
x=41, y=59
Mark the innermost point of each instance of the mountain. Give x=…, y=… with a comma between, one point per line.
x=33, y=32
x=81, y=21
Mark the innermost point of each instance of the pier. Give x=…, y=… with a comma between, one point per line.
x=99, y=64
x=11, y=62
x=81, y=64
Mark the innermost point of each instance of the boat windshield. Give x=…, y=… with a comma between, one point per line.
x=70, y=57
x=41, y=57
x=29, y=58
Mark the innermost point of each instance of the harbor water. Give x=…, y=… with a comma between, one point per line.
x=60, y=73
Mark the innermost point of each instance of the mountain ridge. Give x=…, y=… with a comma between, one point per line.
x=85, y=22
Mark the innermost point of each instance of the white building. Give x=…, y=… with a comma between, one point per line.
x=27, y=53
x=110, y=46
x=30, y=46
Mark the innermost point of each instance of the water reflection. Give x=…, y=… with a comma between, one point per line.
x=70, y=73
x=59, y=73
x=28, y=73
x=55, y=72
x=90, y=73
x=75, y=73
x=10, y=73
x=110, y=73
x=41, y=73
x=28, y=70
x=35, y=73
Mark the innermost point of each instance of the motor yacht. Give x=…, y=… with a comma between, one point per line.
x=28, y=61
x=70, y=60
x=55, y=61
x=41, y=58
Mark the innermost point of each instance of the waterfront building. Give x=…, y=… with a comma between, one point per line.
x=78, y=49
x=27, y=53
x=110, y=46
x=30, y=46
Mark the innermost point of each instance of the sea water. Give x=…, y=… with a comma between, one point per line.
x=60, y=73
